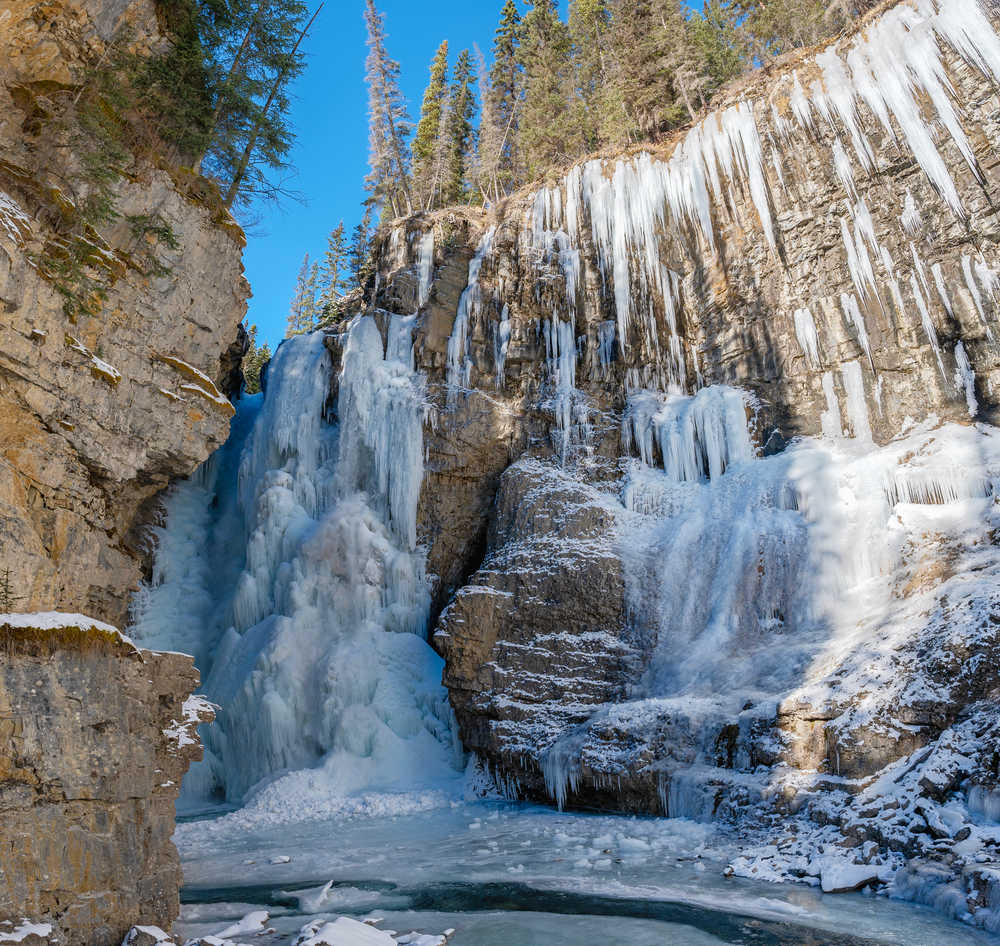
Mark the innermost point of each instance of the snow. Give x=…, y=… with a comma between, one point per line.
x=254, y=922
x=343, y=932
x=158, y=935
x=26, y=928
x=14, y=222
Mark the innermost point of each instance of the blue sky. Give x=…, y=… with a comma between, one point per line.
x=331, y=124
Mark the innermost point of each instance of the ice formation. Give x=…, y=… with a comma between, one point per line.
x=288, y=567
x=459, y=363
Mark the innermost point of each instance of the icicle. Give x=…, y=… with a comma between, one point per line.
x=857, y=406
x=965, y=379
x=425, y=267
x=853, y=314
x=910, y=218
x=842, y=165
x=699, y=437
x=830, y=418
x=925, y=320
x=459, y=363
x=942, y=289
x=606, y=345
x=973, y=287
x=501, y=344
x=805, y=332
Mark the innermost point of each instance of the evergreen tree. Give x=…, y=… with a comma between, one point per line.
x=333, y=273
x=311, y=310
x=589, y=22
x=389, y=125
x=715, y=36
x=460, y=134
x=487, y=159
x=772, y=28
x=300, y=309
x=506, y=85
x=425, y=143
x=359, y=254
x=254, y=360
x=546, y=131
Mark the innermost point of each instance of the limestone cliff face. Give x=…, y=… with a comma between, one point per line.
x=96, y=737
x=99, y=412
x=826, y=241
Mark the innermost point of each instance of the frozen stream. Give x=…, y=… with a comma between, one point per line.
x=502, y=873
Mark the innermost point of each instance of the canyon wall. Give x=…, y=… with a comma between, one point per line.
x=101, y=407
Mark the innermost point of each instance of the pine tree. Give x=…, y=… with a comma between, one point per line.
x=311, y=310
x=254, y=361
x=714, y=34
x=389, y=125
x=487, y=159
x=299, y=312
x=333, y=272
x=589, y=22
x=546, y=131
x=506, y=83
x=425, y=179
x=460, y=134
x=359, y=253
x=777, y=26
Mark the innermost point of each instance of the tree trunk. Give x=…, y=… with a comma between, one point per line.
x=234, y=187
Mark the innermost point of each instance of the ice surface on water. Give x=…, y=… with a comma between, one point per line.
x=312, y=639
x=494, y=843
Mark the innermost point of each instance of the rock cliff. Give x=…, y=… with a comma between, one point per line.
x=100, y=408
x=708, y=493
x=96, y=737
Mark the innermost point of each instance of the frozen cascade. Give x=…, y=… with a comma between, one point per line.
x=425, y=268
x=697, y=437
x=745, y=615
x=309, y=598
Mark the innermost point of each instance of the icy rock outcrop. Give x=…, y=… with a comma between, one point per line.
x=765, y=350
x=95, y=737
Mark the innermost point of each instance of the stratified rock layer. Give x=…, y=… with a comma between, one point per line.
x=99, y=413
x=95, y=737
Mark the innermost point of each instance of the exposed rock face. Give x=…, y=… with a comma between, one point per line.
x=99, y=413
x=826, y=242
x=96, y=737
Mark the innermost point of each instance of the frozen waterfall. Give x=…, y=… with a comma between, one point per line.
x=288, y=565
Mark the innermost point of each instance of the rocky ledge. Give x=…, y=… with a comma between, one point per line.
x=95, y=737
